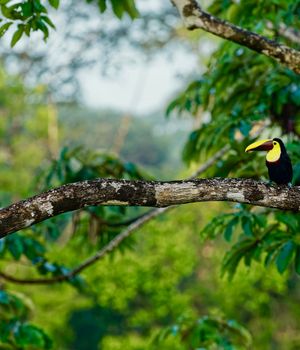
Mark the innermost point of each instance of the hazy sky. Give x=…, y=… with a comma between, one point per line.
x=143, y=87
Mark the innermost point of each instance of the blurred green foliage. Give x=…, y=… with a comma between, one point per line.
x=15, y=331
x=163, y=290
x=32, y=15
x=152, y=143
x=23, y=117
x=208, y=332
x=172, y=274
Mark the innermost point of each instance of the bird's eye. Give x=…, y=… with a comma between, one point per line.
x=274, y=143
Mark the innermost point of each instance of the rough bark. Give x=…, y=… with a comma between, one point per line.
x=143, y=193
x=113, y=244
x=195, y=18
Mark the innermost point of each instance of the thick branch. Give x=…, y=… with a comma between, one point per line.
x=113, y=244
x=194, y=17
x=143, y=193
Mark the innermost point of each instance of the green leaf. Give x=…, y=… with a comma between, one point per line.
x=229, y=228
x=129, y=6
x=6, y=12
x=42, y=26
x=289, y=220
x=2, y=245
x=118, y=8
x=54, y=3
x=247, y=226
x=296, y=97
x=4, y=299
x=216, y=226
x=15, y=246
x=245, y=128
x=5, y=329
x=270, y=257
x=17, y=35
x=48, y=21
x=29, y=335
x=102, y=5
x=39, y=7
x=236, y=254
x=27, y=29
x=32, y=248
x=297, y=260
x=4, y=28
x=27, y=9
x=285, y=255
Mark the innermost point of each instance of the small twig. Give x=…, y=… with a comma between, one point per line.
x=115, y=224
x=286, y=32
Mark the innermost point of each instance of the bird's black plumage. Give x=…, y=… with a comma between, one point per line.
x=281, y=171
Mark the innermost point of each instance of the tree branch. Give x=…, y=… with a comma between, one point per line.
x=134, y=225
x=194, y=17
x=286, y=32
x=211, y=161
x=289, y=33
x=115, y=224
x=143, y=193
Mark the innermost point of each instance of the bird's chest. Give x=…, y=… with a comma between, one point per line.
x=275, y=166
x=279, y=171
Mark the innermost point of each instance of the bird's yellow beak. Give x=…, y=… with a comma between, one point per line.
x=262, y=145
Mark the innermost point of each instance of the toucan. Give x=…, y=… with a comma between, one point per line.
x=278, y=161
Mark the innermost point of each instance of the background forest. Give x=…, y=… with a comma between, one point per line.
x=199, y=276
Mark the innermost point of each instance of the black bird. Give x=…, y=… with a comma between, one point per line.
x=278, y=161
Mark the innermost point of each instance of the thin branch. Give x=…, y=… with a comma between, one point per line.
x=286, y=32
x=112, y=223
x=211, y=161
x=195, y=18
x=289, y=33
x=90, y=261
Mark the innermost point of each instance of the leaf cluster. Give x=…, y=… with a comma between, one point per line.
x=15, y=330
x=29, y=16
x=257, y=14
x=268, y=236
x=119, y=7
x=32, y=15
x=207, y=332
